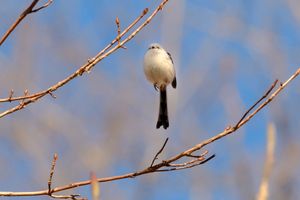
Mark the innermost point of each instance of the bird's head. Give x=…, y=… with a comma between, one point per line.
x=155, y=46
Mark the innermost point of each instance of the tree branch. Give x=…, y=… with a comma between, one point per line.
x=168, y=165
x=254, y=105
x=30, y=9
x=159, y=152
x=109, y=49
x=51, y=174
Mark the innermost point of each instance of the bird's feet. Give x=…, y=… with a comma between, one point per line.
x=155, y=87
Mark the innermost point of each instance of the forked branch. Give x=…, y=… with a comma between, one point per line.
x=30, y=9
x=109, y=49
x=168, y=164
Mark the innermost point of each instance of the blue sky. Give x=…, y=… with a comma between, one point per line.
x=226, y=53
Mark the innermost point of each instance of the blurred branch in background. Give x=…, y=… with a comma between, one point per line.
x=263, y=193
x=95, y=187
x=30, y=9
x=169, y=165
x=109, y=49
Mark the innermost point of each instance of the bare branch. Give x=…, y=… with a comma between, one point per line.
x=88, y=65
x=119, y=29
x=51, y=173
x=165, y=165
x=202, y=155
x=119, y=33
x=42, y=7
x=159, y=152
x=190, y=165
x=72, y=196
x=26, y=12
x=262, y=98
x=187, y=163
x=52, y=95
x=145, y=11
x=10, y=95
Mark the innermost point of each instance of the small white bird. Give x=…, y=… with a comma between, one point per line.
x=160, y=71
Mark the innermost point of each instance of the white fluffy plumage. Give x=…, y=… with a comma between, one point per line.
x=158, y=66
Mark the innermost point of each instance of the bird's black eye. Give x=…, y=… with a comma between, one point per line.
x=154, y=47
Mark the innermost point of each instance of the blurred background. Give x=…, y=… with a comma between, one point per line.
x=226, y=53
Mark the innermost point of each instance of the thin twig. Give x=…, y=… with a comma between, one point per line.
x=186, y=163
x=10, y=95
x=165, y=163
x=42, y=7
x=187, y=166
x=42, y=93
x=119, y=30
x=26, y=12
x=262, y=98
x=52, y=172
x=50, y=192
x=194, y=156
x=159, y=152
x=90, y=63
x=72, y=196
x=52, y=95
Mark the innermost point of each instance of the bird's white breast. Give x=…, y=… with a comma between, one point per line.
x=158, y=67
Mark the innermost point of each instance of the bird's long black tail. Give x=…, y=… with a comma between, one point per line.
x=163, y=119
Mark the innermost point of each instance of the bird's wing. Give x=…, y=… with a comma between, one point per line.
x=170, y=57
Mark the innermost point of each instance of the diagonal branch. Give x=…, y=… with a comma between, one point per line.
x=163, y=166
x=30, y=9
x=230, y=129
x=159, y=152
x=109, y=49
x=11, y=98
x=257, y=102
